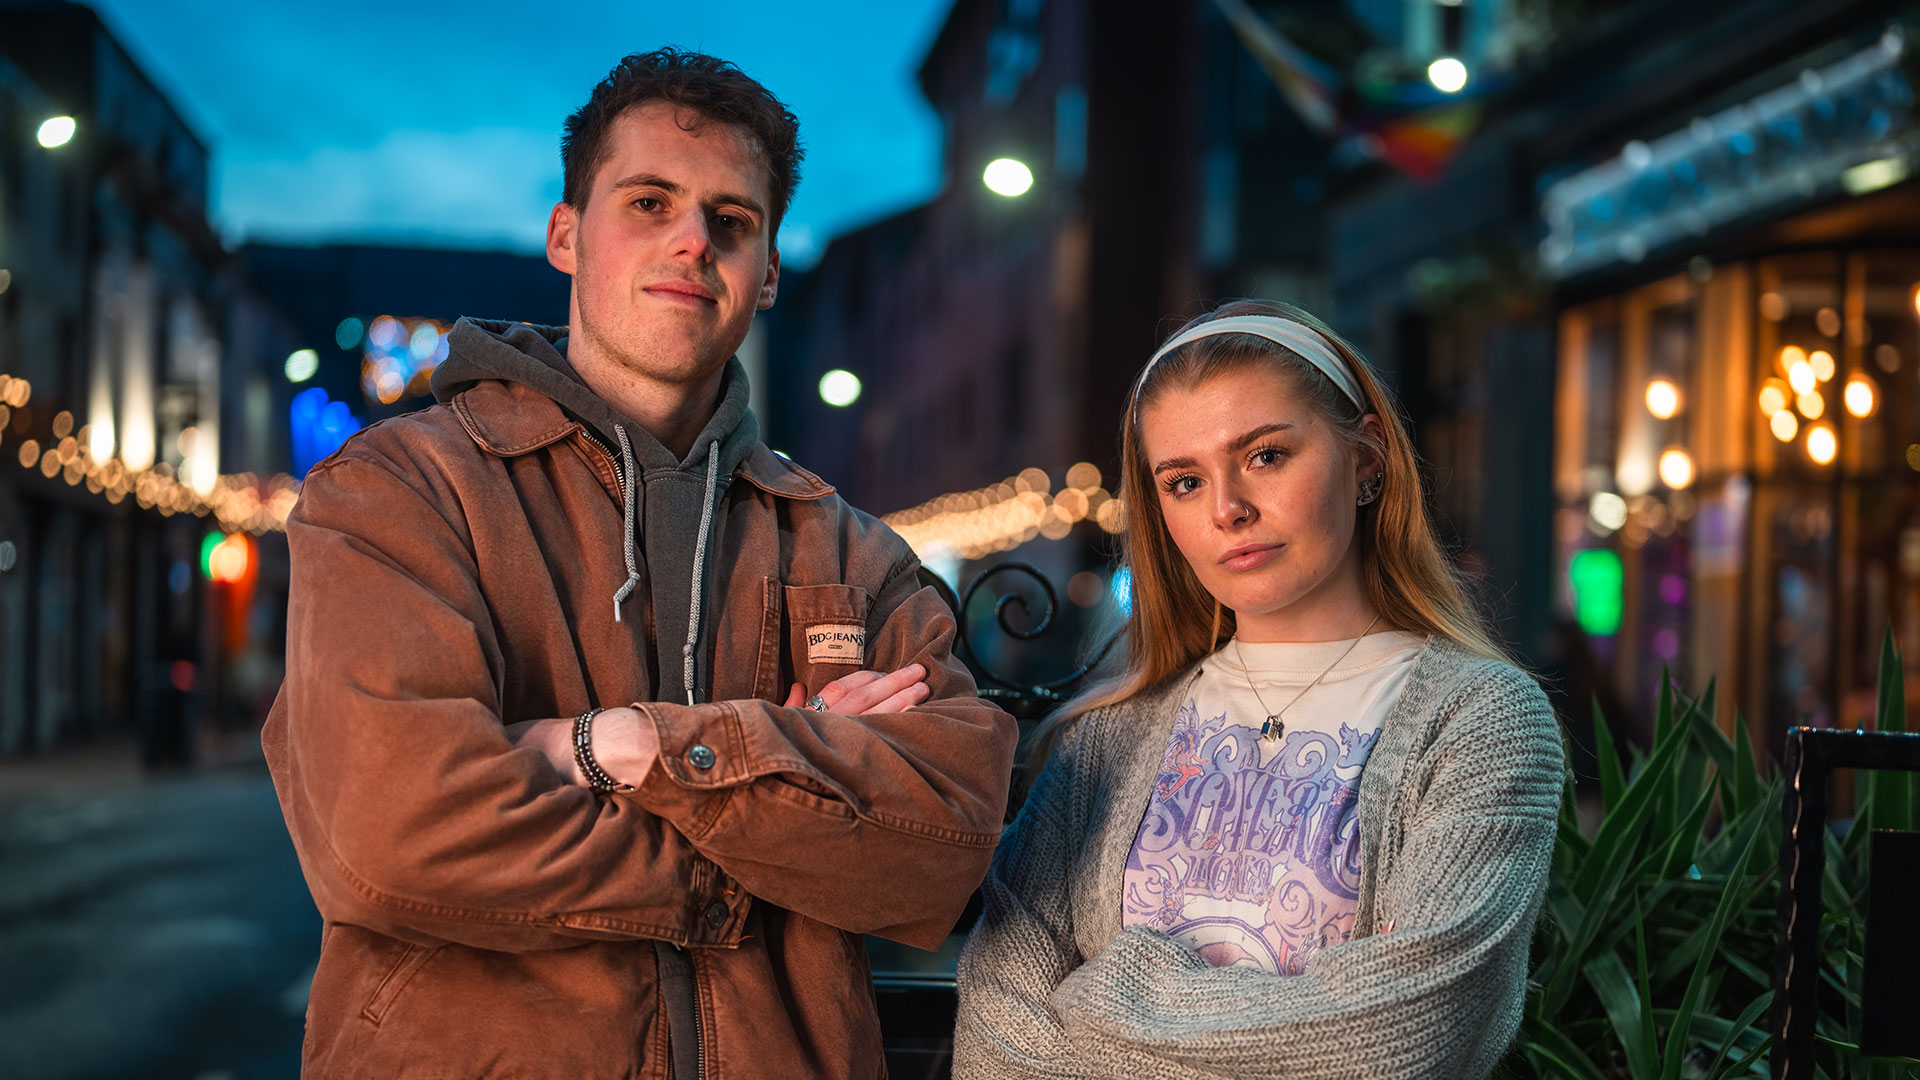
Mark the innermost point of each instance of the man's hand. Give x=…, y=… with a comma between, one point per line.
x=869, y=692
x=624, y=743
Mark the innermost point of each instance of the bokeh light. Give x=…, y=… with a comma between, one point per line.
x=302, y=364
x=1773, y=396
x=1784, y=425
x=1663, y=398
x=1822, y=445
x=57, y=131
x=1448, y=75
x=1859, y=397
x=1676, y=468
x=1005, y=176
x=839, y=388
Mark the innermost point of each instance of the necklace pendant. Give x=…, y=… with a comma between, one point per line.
x=1272, y=729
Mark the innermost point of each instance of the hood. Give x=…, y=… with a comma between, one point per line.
x=536, y=356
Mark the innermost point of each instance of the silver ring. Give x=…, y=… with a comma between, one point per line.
x=817, y=703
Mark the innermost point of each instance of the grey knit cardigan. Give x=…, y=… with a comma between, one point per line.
x=1458, y=808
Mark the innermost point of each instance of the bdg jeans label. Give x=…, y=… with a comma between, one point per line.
x=836, y=644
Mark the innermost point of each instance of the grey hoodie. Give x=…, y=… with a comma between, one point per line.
x=670, y=506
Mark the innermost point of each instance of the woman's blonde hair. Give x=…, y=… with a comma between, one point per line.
x=1173, y=621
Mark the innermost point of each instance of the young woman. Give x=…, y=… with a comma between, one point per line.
x=1306, y=829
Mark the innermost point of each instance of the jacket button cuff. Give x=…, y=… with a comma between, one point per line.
x=702, y=757
x=716, y=911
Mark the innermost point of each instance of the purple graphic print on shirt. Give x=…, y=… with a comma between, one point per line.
x=1250, y=864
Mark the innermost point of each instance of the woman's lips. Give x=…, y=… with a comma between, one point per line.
x=1246, y=558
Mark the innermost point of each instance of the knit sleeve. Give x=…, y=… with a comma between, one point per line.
x=1437, y=992
x=1023, y=945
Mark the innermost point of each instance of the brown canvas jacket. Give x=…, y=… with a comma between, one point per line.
x=451, y=574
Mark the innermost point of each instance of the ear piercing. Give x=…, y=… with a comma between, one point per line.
x=1370, y=491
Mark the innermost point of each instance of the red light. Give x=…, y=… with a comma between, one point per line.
x=183, y=675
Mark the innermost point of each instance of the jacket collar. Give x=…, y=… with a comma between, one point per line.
x=509, y=419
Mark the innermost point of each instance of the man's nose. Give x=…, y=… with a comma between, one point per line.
x=691, y=239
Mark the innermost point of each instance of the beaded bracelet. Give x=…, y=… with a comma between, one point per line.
x=597, y=778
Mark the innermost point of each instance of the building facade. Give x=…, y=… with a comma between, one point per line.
x=120, y=457
x=1652, y=326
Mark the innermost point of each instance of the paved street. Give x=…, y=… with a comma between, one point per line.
x=149, y=926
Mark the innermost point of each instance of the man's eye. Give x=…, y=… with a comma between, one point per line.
x=647, y=202
x=730, y=222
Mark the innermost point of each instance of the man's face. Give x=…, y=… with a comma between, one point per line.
x=674, y=251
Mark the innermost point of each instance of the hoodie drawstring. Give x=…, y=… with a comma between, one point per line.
x=699, y=563
x=626, y=513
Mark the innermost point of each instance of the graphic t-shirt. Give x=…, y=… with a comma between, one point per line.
x=1250, y=850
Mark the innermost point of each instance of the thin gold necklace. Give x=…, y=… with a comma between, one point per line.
x=1273, y=728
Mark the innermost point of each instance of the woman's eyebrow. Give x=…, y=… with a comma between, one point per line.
x=1257, y=433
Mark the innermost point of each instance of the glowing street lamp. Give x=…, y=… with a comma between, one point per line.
x=839, y=388
x=1448, y=75
x=1005, y=176
x=57, y=131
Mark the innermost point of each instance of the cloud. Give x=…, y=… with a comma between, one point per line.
x=484, y=187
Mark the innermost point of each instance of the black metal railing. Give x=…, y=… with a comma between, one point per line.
x=1812, y=754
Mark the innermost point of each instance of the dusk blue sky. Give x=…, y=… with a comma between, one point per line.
x=429, y=121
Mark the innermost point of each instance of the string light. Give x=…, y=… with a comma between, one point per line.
x=974, y=524
x=243, y=502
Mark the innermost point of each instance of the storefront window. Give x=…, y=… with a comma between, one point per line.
x=1745, y=441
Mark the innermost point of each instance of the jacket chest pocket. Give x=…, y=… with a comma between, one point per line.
x=826, y=632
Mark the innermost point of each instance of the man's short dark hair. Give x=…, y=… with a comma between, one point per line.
x=712, y=88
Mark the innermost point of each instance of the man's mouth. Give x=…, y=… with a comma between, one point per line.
x=686, y=292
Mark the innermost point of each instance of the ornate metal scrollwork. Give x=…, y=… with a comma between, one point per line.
x=1027, y=700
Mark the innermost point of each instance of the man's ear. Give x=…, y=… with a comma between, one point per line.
x=563, y=226
x=771, y=286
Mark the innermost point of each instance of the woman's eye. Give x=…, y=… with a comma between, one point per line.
x=1268, y=456
x=1181, y=485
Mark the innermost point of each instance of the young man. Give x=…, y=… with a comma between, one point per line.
x=513, y=881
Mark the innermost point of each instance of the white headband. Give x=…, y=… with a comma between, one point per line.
x=1309, y=344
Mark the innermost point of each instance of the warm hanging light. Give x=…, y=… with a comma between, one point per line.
x=1822, y=445
x=1800, y=376
x=1859, y=396
x=1784, y=425
x=1821, y=361
x=1663, y=398
x=1676, y=468
x=1811, y=405
x=1773, y=396
x=1791, y=355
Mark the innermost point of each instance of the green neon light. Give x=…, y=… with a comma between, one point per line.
x=1598, y=591
x=206, y=553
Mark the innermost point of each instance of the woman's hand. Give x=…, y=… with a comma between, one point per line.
x=869, y=692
